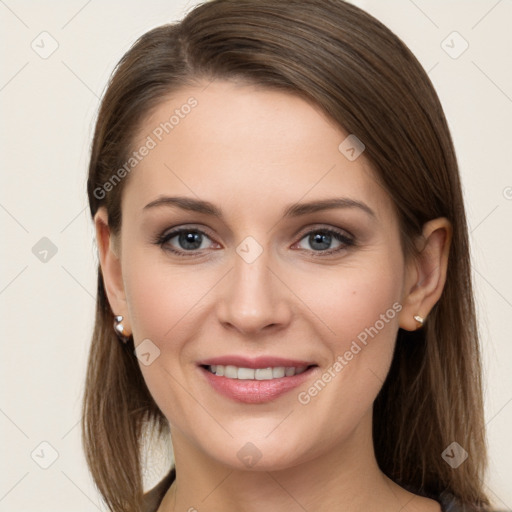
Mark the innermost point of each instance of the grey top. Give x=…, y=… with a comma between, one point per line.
x=153, y=498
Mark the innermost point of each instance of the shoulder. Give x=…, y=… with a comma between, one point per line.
x=422, y=504
x=154, y=497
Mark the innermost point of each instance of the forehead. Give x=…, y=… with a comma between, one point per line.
x=245, y=146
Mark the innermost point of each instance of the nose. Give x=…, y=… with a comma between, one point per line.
x=253, y=298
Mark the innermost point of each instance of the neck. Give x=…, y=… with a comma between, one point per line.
x=346, y=478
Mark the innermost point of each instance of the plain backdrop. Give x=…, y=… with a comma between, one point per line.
x=56, y=59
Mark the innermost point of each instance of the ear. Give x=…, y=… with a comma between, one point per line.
x=109, y=255
x=426, y=273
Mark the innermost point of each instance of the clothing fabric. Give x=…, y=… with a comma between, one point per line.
x=153, y=498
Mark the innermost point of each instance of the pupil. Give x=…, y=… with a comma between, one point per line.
x=322, y=239
x=190, y=240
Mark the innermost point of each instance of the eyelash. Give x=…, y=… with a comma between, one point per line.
x=345, y=240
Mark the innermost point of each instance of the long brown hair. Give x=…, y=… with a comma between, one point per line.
x=366, y=79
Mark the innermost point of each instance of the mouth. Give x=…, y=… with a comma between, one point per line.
x=255, y=381
x=269, y=373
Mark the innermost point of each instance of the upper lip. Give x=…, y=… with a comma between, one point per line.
x=256, y=362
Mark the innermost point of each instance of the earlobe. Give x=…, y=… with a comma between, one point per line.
x=109, y=256
x=427, y=275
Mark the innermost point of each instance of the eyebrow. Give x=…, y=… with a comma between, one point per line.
x=294, y=210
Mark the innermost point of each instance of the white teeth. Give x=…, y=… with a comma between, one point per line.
x=231, y=372
x=234, y=372
x=263, y=374
x=278, y=372
x=245, y=373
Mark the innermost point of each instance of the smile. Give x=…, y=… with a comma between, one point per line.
x=255, y=381
x=241, y=373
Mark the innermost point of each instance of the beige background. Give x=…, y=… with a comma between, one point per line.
x=48, y=107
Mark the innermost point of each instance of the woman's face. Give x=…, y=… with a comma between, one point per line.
x=261, y=276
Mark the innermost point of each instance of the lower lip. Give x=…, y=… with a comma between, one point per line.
x=255, y=391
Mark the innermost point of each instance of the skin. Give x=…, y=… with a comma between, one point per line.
x=252, y=152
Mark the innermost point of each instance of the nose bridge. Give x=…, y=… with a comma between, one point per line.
x=253, y=298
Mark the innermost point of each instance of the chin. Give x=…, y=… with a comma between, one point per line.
x=260, y=454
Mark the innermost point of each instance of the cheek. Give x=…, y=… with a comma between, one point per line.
x=351, y=300
x=162, y=303
x=360, y=309
x=367, y=308
x=160, y=298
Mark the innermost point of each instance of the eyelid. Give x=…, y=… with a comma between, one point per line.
x=323, y=227
x=175, y=230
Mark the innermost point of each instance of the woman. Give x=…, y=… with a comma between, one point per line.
x=284, y=281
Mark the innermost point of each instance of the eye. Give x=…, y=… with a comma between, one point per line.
x=182, y=241
x=320, y=240
x=192, y=241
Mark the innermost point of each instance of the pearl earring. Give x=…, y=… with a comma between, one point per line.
x=119, y=328
x=419, y=319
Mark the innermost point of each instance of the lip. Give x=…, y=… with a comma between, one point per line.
x=255, y=391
